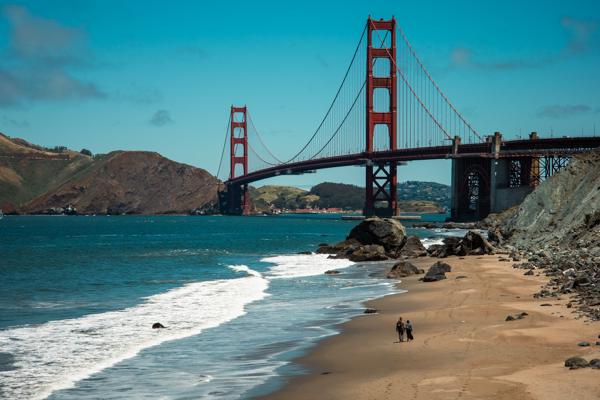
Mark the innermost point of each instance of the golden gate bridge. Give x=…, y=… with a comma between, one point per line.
x=388, y=109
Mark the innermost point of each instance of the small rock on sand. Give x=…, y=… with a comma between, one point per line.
x=583, y=344
x=370, y=311
x=576, y=362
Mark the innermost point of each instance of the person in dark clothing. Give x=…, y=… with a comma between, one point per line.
x=409, y=330
x=400, y=329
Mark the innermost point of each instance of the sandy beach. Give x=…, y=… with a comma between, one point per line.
x=463, y=347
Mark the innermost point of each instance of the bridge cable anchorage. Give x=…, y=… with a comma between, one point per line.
x=261, y=141
x=334, y=99
x=413, y=91
x=224, y=146
x=414, y=54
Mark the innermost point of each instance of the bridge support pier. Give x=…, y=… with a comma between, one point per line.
x=483, y=185
x=381, y=197
x=235, y=200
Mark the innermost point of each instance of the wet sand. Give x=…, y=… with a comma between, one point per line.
x=463, y=347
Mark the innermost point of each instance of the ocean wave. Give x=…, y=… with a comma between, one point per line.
x=302, y=265
x=57, y=354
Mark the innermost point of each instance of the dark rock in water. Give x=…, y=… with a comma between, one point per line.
x=370, y=252
x=576, y=362
x=386, y=232
x=157, y=325
x=595, y=363
x=583, y=344
x=403, y=269
x=370, y=311
x=437, y=272
x=7, y=362
x=305, y=252
x=332, y=272
x=413, y=248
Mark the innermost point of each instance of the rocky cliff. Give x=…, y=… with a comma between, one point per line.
x=557, y=231
x=34, y=180
x=563, y=210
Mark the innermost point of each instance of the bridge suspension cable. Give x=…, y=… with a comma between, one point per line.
x=425, y=115
x=437, y=88
x=224, y=147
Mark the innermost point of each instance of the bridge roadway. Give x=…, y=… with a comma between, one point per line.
x=508, y=149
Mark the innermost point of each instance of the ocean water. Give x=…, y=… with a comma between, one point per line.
x=78, y=297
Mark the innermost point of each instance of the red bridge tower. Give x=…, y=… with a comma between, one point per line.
x=238, y=201
x=381, y=181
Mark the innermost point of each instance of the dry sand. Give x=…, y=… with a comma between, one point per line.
x=463, y=347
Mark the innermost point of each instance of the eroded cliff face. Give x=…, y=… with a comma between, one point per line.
x=37, y=180
x=564, y=210
x=132, y=182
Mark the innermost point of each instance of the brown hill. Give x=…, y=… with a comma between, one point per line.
x=34, y=180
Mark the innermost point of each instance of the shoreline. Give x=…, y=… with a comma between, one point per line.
x=463, y=346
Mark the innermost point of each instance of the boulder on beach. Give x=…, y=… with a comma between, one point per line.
x=374, y=239
x=473, y=243
x=437, y=272
x=413, y=248
x=386, y=232
x=403, y=269
x=370, y=252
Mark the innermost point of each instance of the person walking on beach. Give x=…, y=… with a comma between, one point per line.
x=409, y=329
x=400, y=330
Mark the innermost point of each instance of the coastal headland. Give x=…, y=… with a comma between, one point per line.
x=464, y=347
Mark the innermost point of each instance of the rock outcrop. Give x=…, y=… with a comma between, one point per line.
x=403, y=269
x=369, y=252
x=373, y=239
x=386, y=232
x=413, y=248
x=473, y=243
x=437, y=272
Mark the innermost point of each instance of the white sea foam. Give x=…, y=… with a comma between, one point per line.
x=301, y=265
x=431, y=241
x=55, y=355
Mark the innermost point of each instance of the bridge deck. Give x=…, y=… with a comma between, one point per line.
x=508, y=149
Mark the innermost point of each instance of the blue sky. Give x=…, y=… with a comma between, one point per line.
x=160, y=76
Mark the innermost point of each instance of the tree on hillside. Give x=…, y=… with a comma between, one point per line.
x=339, y=195
x=86, y=152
